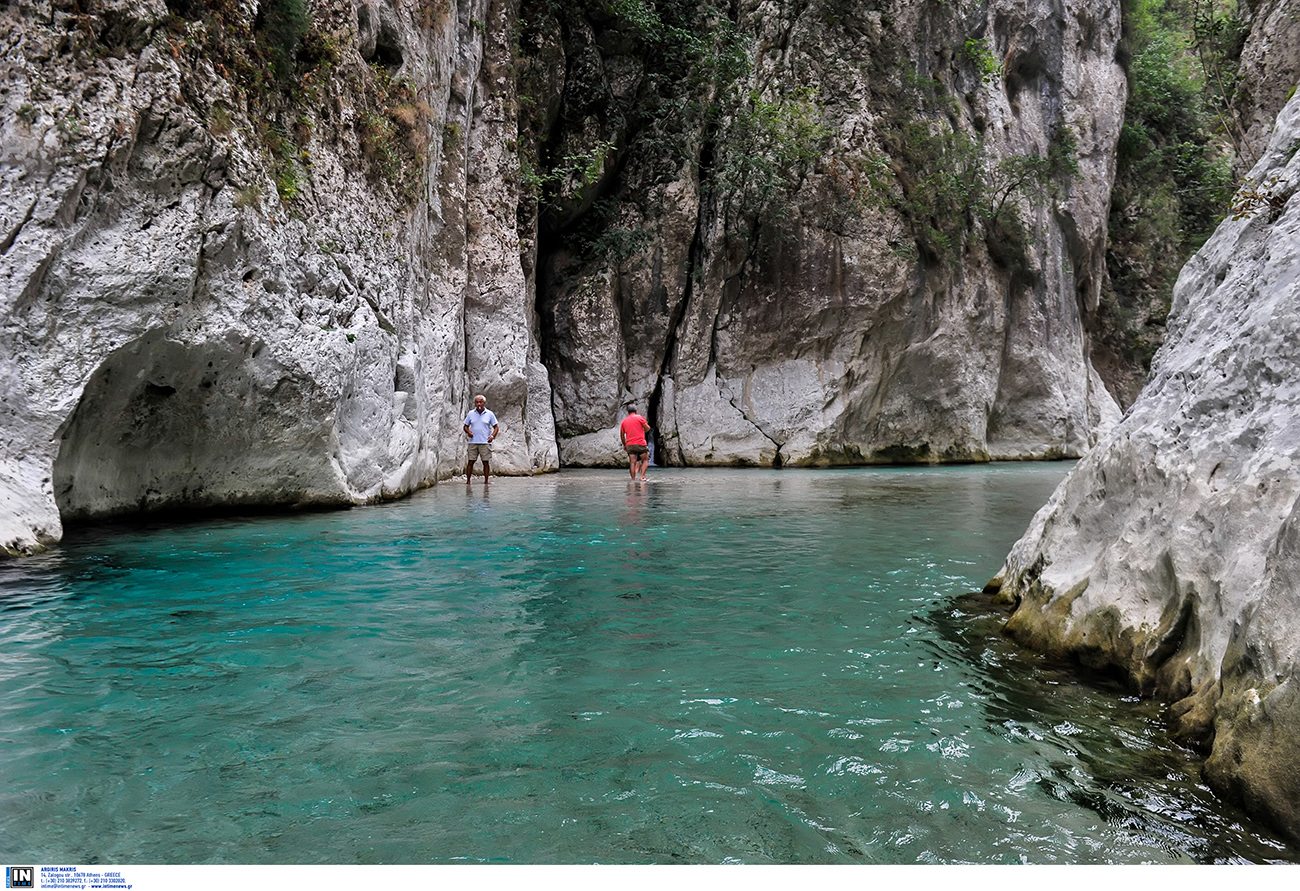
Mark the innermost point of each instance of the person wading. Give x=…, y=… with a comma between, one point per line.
x=481, y=428
x=632, y=432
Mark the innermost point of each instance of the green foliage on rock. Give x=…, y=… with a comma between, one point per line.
x=755, y=141
x=1218, y=33
x=986, y=62
x=765, y=148
x=281, y=25
x=693, y=105
x=284, y=64
x=573, y=172
x=290, y=163
x=1173, y=181
x=949, y=187
x=279, y=54
x=393, y=125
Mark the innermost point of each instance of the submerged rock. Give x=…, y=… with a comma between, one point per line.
x=1172, y=551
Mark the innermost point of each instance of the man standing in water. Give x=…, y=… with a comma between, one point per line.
x=481, y=428
x=632, y=431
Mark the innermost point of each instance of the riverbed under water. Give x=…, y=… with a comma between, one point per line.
x=715, y=666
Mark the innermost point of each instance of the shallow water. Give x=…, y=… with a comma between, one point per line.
x=717, y=666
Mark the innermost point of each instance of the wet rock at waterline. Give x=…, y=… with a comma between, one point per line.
x=1172, y=551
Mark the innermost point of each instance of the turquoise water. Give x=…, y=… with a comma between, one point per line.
x=717, y=666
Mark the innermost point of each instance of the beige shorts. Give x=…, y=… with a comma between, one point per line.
x=480, y=450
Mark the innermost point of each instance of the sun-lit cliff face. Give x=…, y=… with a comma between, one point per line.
x=262, y=253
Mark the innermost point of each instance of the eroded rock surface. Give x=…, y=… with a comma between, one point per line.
x=243, y=263
x=1172, y=551
x=1267, y=74
x=823, y=331
x=272, y=293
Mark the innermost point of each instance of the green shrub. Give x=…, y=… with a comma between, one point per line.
x=379, y=143
x=945, y=185
x=986, y=62
x=598, y=238
x=281, y=25
x=1173, y=180
x=248, y=196
x=765, y=149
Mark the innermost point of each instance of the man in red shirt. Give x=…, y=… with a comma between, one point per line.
x=632, y=431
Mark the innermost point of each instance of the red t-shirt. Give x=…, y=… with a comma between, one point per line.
x=634, y=429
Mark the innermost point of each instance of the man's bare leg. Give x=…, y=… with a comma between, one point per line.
x=631, y=465
x=469, y=472
x=644, y=461
x=487, y=470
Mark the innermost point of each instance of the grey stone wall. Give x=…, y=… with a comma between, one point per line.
x=1170, y=552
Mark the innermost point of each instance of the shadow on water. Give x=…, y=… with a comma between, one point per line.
x=1104, y=748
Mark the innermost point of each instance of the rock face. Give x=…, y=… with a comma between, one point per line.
x=1172, y=551
x=833, y=327
x=218, y=289
x=264, y=252
x=1267, y=74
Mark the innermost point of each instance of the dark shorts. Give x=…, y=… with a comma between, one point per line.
x=638, y=450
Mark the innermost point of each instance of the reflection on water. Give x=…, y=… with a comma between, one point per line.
x=714, y=666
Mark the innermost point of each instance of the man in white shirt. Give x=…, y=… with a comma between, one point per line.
x=481, y=428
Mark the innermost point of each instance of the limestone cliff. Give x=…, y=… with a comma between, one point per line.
x=1266, y=76
x=239, y=269
x=262, y=252
x=870, y=313
x=1172, y=551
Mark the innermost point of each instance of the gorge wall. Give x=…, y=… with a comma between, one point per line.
x=866, y=309
x=262, y=253
x=222, y=286
x=1266, y=75
x=1172, y=551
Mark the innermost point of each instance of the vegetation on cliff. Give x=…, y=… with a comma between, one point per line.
x=946, y=182
x=287, y=67
x=753, y=144
x=1173, y=182
x=700, y=102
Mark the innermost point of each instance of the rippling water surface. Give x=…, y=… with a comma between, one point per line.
x=717, y=666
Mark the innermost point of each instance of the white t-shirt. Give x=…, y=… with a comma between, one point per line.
x=480, y=425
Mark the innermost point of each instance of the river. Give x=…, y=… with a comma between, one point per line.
x=716, y=666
